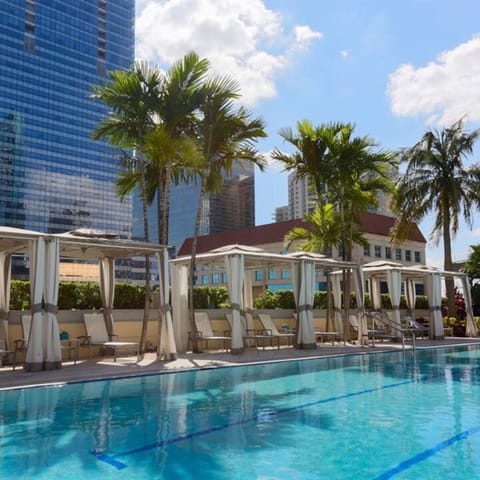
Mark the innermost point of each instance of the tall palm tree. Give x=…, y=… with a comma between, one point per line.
x=343, y=170
x=225, y=135
x=131, y=96
x=437, y=181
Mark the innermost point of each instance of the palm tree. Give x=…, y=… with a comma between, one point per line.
x=343, y=170
x=131, y=96
x=437, y=181
x=225, y=135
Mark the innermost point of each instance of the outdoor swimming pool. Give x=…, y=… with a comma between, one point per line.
x=388, y=415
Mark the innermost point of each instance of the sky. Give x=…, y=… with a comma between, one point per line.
x=394, y=68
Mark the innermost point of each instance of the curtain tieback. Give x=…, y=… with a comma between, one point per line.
x=236, y=306
x=36, y=308
x=396, y=307
x=3, y=314
x=305, y=308
x=435, y=309
x=51, y=308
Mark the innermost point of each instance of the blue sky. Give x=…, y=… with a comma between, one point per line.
x=393, y=67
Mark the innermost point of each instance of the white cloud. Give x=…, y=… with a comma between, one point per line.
x=241, y=38
x=476, y=232
x=304, y=36
x=344, y=53
x=273, y=165
x=444, y=90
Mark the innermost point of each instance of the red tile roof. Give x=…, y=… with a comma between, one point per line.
x=275, y=232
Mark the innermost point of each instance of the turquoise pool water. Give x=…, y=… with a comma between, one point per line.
x=401, y=415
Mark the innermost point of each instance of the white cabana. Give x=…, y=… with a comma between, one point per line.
x=394, y=273
x=5, y=275
x=43, y=345
x=238, y=261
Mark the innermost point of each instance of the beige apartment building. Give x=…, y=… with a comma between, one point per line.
x=270, y=238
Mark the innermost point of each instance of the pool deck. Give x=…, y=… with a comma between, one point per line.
x=105, y=367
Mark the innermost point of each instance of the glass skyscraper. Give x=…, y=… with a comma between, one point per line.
x=53, y=176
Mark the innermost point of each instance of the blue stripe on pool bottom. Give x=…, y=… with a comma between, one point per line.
x=262, y=417
x=401, y=467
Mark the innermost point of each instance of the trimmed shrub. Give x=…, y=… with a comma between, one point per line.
x=19, y=295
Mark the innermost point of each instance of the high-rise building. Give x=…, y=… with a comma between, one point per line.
x=53, y=176
x=281, y=214
x=232, y=209
x=302, y=196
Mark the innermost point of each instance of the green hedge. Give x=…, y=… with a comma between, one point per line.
x=86, y=296
x=80, y=295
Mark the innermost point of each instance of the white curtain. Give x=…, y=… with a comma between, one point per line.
x=359, y=296
x=434, y=283
x=394, y=281
x=35, y=354
x=107, y=291
x=248, y=298
x=167, y=349
x=471, y=328
x=5, y=276
x=181, y=325
x=337, y=302
x=375, y=293
x=234, y=266
x=52, y=352
x=303, y=277
x=411, y=295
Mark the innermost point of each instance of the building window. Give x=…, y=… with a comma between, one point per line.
x=215, y=279
x=408, y=255
x=205, y=279
x=224, y=278
x=417, y=257
x=388, y=252
x=258, y=275
x=272, y=274
x=378, y=251
x=366, y=250
x=195, y=280
x=285, y=274
x=398, y=254
x=340, y=251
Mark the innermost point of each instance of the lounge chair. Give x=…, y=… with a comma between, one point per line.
x=263, y=336
x=205, y=333
x=97, y=336
x=322, y=334
x=420, y=330
x=272, y=329
x=5, y=354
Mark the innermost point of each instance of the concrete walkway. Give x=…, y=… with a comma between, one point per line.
x=105, y=367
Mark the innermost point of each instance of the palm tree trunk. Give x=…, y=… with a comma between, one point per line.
x=191, y=277
x=143, y=334
x=447, y=263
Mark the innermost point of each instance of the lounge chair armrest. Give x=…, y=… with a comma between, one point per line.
x=252, y=331
x=19, y=344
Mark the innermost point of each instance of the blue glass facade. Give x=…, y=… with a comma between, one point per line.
x=53, y=176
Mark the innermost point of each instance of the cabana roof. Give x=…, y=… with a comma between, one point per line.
x=77, y=244
x=258, y=258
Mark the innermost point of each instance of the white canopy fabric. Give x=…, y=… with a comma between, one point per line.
x=470, y=328
x=411, y=294
x=234, y=266
x=107, y=291
x=52, y=353
x=359, y=296
x=35, y=351
x=167, y=349
x=179, y=290
x=337, y=302
x=375, y=293
x=394, y=281
x=435, y=301
x=303, y=278
x=5, y=267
